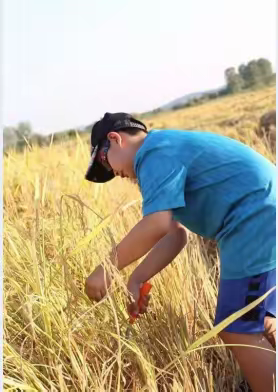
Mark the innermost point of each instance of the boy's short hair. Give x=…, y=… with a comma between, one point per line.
x=116, y=122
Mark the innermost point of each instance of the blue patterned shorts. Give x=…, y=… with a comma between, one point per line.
x=235, y=294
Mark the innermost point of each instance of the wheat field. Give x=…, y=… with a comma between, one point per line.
x=58, y=227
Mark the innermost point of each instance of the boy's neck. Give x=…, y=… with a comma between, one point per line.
x=138, y=141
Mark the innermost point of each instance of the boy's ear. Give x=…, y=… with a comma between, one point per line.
x=114, y=137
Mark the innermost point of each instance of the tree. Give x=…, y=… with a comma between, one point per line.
x=16, y=136
x=265, y=67
x=24, y=130
x=9, y=137
x=234, y=81
x=251, y=73
x=243, y=72
x=256, y=72
x=229, y=74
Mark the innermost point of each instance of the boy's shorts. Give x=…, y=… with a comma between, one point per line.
x=235, y=294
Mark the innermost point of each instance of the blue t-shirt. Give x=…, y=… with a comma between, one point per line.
x=218, y=188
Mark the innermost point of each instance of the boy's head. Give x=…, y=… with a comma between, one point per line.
x=114, y=142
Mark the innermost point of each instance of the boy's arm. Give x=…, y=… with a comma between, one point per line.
x=161, y=255
x=136, y=244
x=142, y=238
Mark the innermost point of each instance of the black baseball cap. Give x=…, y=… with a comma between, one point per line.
x=96, y=172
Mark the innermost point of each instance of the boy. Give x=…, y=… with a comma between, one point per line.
x=218, y=188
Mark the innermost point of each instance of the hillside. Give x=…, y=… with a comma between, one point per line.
x=186, y=98
x=234, y=116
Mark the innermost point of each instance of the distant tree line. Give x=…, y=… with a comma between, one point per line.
x=14, y=135
x=21, y=136
x=257, y=73
x=202, y=99
x=253, y=75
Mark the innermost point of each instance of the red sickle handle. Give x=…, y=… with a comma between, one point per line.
x=144, y=290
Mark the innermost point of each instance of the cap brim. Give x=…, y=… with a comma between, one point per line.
x=96, y=172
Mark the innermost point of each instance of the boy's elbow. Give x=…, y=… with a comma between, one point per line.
x=180, y=231
x=163, y=224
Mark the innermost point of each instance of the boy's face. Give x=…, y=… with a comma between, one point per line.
x=121, y=154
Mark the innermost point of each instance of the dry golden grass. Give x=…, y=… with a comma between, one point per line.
x=235, y=116
x=54, y=339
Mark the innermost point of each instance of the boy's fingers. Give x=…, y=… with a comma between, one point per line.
x=148, y=297
x=138, y=307
x=97, y=296
x=145, y=300
x=143, y=309
x=144, y=304
x=132, y=308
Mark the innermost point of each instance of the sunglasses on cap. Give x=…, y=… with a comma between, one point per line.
x=102, y=155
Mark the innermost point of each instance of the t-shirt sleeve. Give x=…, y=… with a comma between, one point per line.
x=162, y=182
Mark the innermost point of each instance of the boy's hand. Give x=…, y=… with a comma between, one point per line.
x=95, y=286
x=134, y=289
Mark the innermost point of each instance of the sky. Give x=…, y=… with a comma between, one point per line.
x=67, y=62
